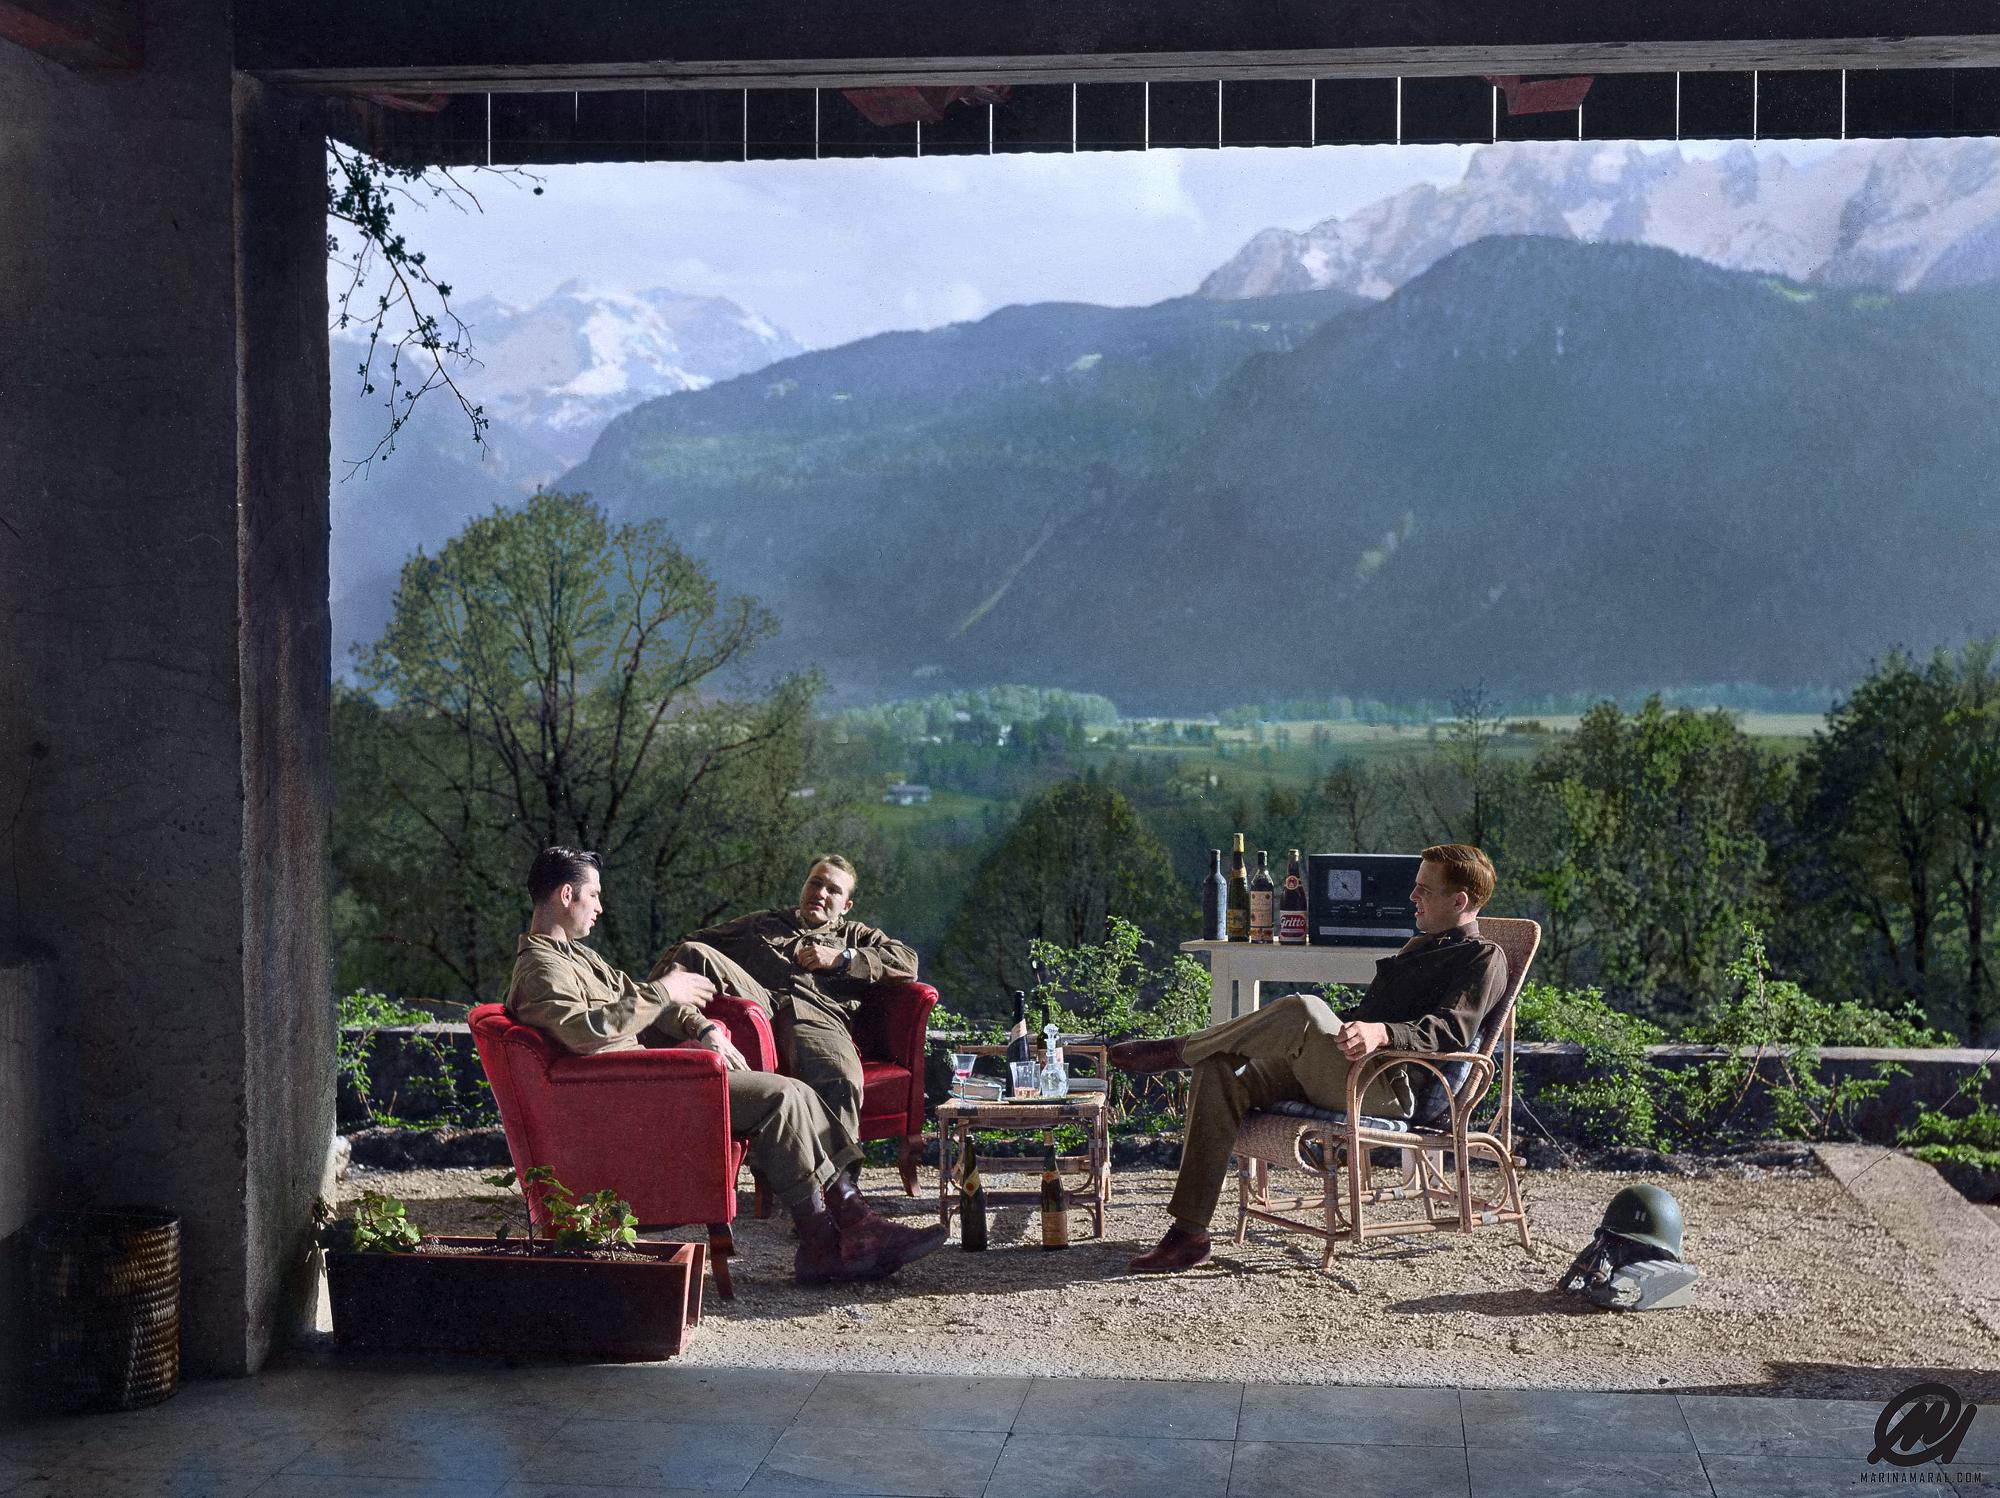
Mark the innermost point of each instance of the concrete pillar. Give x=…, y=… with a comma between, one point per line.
x=164, y=664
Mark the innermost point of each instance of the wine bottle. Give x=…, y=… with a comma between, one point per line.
x=1215, y=900
x=1293, y=930
x=1263, y=901
x=1018, y=1048
x=971, y=1204
x=1239, y=895
x=1055, y=1210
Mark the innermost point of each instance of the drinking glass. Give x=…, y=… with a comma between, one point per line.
x=1027, y=1078
x=961, y=1068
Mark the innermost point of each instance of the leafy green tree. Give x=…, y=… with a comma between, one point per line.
x=1972, y=786
x=1652, y=849
x=549, y=678
x=1077, y=856
x=1891, y=853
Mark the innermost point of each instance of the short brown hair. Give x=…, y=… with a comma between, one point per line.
x=1465, y=869
x=835, y=861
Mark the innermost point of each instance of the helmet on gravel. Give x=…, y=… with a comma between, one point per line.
x=1646, y=1214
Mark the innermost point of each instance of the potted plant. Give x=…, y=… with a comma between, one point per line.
x=587, y=1289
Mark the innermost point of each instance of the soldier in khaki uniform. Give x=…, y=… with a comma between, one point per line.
x=567, y=990
x=807, y=968
x=1428, y=997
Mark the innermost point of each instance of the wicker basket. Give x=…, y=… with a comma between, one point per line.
x=104, y=1290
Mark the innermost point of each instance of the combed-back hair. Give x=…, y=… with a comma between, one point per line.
x=1465, y=868
x=555, y=867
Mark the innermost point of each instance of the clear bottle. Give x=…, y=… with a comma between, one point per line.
x=1055, y=1073
x=1263, y=901
x=1239, y=895
x=1293, y=928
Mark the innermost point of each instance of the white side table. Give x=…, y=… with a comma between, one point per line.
x=1238, y=969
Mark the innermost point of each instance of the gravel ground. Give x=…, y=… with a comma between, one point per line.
x=1803, y=1291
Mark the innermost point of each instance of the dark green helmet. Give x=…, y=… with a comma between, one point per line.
x=1646, y=1214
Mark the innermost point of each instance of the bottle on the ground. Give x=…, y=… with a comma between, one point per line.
x=971, y=1203
x=1215, y=900
x=1055, y=1207
x=1263, y=901
x=1239, y=895
x=1293, y=930
x=1018, y=1048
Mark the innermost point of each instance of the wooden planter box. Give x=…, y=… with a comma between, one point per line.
x=517, y=1305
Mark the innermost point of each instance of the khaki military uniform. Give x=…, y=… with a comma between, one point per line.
x=580, y=1000
x=1431, y=996
x=752, y=957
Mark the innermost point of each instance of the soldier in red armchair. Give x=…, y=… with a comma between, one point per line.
x=805, y=967
x=571, y=993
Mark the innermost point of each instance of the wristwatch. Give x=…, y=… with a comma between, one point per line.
x=846, y=958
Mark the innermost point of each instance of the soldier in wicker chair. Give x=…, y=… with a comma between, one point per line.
x=1430, y=996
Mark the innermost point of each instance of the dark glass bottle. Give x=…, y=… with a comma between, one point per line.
x=1239, y=895
x=1018, y=1048
x=1215, y=900
x=1055, y=1208
x=971, y=1204
x=1293, y=930
x=1263, y=901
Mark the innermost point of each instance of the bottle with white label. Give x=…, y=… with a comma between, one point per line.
x=1263, y=901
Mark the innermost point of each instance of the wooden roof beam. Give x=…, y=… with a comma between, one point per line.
x=458, y=46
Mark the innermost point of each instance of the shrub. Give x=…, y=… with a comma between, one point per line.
x=380, y=1224
x=1969, y=1139
x=1614, y=1103
x=362, y=1016
x=1768, y=1033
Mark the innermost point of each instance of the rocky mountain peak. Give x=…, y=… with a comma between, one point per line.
x=1903, y=215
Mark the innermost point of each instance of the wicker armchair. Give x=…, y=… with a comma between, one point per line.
x=1452, y=1088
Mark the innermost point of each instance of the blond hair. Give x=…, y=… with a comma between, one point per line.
x=835, y=861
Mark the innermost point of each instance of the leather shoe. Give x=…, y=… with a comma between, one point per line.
x=1179, y=1250
x=1143, y=1057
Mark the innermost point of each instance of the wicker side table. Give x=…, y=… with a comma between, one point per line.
x=958, y=1118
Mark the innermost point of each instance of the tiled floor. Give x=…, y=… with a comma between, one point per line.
x=350, y=1429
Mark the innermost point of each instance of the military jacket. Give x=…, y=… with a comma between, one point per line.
x=763, y=944
x=588, y=1005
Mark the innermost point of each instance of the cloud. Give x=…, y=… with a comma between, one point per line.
x=933, y=306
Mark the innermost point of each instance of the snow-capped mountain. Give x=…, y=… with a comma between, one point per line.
x=550, y=377
x=1906, y=215
x=561, y=369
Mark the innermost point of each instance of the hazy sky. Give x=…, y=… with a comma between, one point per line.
x=835, y=250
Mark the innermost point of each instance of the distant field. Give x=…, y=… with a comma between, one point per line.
x=1347, y=732
x=944, y=806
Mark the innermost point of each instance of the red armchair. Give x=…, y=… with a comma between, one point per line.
x=652, y=1125
x=889, y=1031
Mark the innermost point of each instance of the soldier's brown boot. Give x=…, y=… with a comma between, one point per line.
x=871, y=1246
x=1144, y=1057
x=817, y=1260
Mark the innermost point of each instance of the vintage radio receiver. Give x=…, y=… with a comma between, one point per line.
x=1361, y=899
